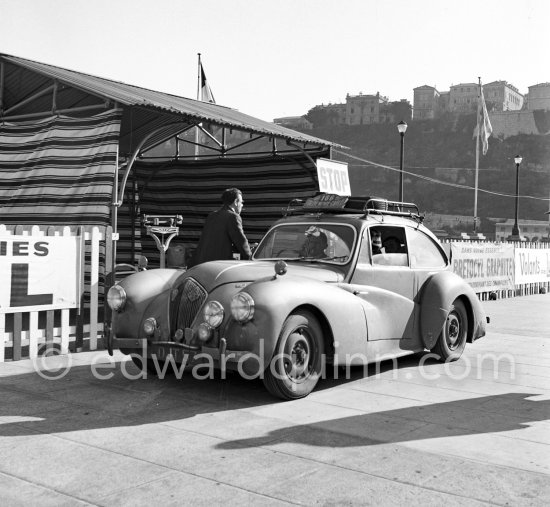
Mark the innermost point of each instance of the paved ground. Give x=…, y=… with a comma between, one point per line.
x=475, y=433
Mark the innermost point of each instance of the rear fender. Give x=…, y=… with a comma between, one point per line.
x=437, y=296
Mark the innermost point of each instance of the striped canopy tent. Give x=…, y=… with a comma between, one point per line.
x=77, y=149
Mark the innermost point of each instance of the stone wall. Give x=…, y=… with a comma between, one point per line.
x=511, y=123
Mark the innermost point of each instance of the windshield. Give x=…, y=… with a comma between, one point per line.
x=332, y=243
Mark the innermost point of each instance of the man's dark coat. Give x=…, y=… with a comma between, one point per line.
x=222, y=235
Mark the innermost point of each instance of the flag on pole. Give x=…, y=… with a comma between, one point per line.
x=483, y=127
x=206, y=92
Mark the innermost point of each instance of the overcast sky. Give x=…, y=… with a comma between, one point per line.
x=281, y=57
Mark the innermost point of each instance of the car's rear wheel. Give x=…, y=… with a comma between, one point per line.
x=454, y=334
x=296, y=365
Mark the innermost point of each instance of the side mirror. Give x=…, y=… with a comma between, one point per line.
x=253, y=247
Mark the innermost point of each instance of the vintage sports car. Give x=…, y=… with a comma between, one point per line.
x=337, y=281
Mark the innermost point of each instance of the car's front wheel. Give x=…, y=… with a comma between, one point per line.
x=453, y=337
x=297, y=363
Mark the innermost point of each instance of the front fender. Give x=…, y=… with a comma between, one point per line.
x=276, y=298
x=437, y=296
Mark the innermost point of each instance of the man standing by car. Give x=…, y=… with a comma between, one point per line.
x=223, y=231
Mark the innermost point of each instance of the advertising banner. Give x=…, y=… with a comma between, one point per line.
x=485, y=266
x=532, y=265
x=333, y=177
x=39, y=273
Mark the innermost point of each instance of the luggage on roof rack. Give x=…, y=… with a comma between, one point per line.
x=364, y=203
x=331, y=203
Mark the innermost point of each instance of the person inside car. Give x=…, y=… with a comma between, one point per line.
x=376, y=239
x=392, y=245
x=315, y=244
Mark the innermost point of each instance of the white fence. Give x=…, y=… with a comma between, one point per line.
x=27, y=334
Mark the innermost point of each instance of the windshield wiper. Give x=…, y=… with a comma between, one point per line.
x=336, y=257
x=317, y=259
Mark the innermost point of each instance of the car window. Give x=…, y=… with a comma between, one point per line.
x=308, y=241
x=388, y=246
x=424, y=252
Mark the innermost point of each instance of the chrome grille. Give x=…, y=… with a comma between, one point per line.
x=192, y=299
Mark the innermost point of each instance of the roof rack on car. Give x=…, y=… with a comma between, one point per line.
x=331, y=203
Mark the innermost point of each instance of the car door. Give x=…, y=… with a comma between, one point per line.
x=386, y=283
x=426, y=257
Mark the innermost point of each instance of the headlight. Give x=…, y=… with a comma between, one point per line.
x=213, y=313
x=116, y=298
x=242, y=307
x=149, y=326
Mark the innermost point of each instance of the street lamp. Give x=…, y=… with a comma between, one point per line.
x=515, y=229
x=402, y=128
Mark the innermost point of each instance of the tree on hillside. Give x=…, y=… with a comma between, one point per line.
x=320, y=117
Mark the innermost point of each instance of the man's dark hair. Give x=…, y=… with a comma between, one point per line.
x=230, y=195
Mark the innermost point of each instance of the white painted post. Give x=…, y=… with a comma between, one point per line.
x=65, y=330
x=94, y=287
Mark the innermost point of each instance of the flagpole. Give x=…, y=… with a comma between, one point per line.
x=477, y=155
x=199, y=77
x=198, y=98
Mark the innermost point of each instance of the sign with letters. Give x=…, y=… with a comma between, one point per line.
x=39, y=273
x=333, y=177
x=532, y=265
x=485, y=266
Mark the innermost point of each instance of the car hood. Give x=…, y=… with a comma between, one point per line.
x=145, y=284
x=213, y=274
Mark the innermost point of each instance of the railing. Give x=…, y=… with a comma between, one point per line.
x=29, y=334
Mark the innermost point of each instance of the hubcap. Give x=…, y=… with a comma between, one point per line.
x=453, y=331
x=297, y=362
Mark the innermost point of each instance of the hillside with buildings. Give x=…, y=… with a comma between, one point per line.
x=511, y=112
x=440, y=150
x=440, y=157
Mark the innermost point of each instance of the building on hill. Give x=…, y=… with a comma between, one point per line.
x=294, y=122
x=463, y=98
x=428, y=103
x=502, y=96
x=364, y=109
x=539, y=97
x=425, y=101
x=360, y=110
x=534, y=117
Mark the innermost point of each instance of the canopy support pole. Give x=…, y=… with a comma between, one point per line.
x=306, y=154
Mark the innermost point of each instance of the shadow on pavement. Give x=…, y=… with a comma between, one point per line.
x=114, y=396
x=487, y=414
x=30, y=404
